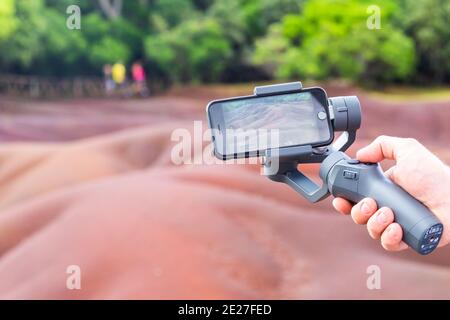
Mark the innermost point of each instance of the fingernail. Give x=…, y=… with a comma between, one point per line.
x=365, y=209
x=391, y=230
x=382, y=218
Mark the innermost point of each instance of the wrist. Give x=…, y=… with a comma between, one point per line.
x=442, y=211
x=446, y=200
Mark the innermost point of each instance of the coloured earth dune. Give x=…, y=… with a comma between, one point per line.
x=91, y=183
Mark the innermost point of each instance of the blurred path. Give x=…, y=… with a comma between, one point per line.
x=74, y=119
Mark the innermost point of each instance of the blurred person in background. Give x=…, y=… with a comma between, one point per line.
x=109, y=82
x=119, y=72
x=138, y=74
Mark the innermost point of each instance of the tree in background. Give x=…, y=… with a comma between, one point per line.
x=62, y=48
x=242, y=22
x=41, y=43
x=233, y=40
x=330, y=38
x=193, y=51
x=259, y=14
x=428, y=23
x=24, y=45
x=174, y=12
x=111, y=8
x=110, y=40
x=8, y=20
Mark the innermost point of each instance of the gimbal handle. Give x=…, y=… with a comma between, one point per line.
x=354, y=181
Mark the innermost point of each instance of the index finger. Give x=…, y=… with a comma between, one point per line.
x=383, y=147
x=341, y=205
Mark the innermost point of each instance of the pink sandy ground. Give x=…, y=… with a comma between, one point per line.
x=74, y=190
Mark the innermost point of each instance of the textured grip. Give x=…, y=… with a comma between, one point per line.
x=354, y=181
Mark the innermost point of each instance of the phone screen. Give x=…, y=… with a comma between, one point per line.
x=249, y=125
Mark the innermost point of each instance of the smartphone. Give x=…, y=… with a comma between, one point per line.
x=248, y=126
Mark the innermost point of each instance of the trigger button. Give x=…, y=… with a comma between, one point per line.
x=350, y=175
x=352, y=161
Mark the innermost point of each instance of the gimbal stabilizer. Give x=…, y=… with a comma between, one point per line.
x=348, y=178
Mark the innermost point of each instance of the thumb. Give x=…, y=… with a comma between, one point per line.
x=383, y=147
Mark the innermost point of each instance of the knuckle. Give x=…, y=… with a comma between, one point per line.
x=381, y=138
x=388, y=213
x=388, y=243
x=356, y=216
x=411, y=142
x=387, y=247
x=356, y=219
x=373, y=203
x=373, y=231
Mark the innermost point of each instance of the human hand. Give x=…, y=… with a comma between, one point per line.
x=418, y=172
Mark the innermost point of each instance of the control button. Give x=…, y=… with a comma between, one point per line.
x=352, y=161
x=322, y=115
x=350, y=174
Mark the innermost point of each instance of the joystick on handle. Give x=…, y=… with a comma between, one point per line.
x=352, y=180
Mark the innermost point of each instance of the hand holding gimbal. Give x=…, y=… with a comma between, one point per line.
x=345, y=177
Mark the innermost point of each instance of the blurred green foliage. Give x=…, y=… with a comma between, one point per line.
x=428, y=23
x=330, y=38
x=233, y=40
x=192, y=51
x=7, y=18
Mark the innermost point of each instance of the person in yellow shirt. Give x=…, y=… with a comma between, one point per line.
x=119, y=74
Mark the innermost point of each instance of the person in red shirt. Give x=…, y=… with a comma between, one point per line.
x=139, y=79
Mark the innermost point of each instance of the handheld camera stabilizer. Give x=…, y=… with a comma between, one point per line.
x=348, y=178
